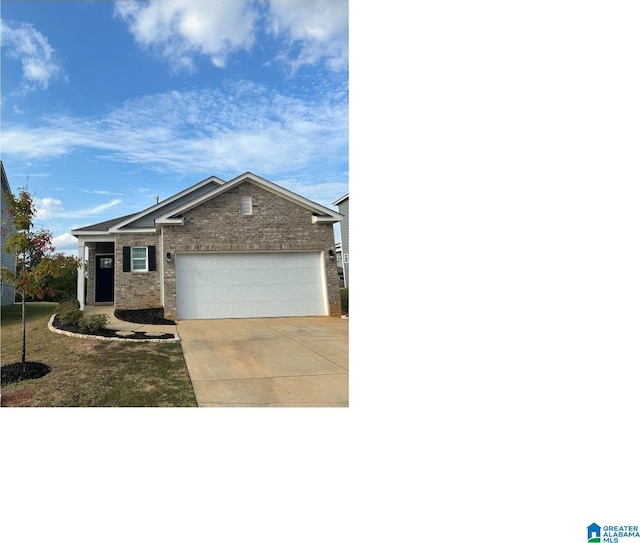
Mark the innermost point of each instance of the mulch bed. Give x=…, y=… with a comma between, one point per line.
x=143, y=316
x=21, y=371
x=108, y=332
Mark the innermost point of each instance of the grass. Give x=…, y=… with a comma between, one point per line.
x=344, y=300
x=91, y=372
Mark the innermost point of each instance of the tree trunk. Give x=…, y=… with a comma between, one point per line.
x=24, y=331
x=24, y=311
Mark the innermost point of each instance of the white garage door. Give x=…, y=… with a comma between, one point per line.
x=238, y=285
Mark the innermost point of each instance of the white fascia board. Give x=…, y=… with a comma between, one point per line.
x=77, y=233
x=114, y=230
x=160, y=205
x=315, y=219
x=263, y=183
x=340, y=200
x=94, y=237
x=162, y=220
x=287, y=194
x=159, y=223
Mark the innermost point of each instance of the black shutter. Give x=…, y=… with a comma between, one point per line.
x=152, y=257
x=126, y=259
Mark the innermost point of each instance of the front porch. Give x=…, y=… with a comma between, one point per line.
x=98, y=257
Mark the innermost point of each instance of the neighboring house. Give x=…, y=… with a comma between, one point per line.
x=339, y=262
x=343, y=209
x=242, y=248
x=7, y=260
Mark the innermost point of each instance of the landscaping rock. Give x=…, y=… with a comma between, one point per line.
x=108, y=333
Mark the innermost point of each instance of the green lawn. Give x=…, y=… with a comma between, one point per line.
x=90, y=372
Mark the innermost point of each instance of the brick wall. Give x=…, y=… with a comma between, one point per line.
x=276, y=225
x=137, y=290
x=91, y=276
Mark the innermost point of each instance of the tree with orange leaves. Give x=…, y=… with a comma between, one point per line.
x=34, y=275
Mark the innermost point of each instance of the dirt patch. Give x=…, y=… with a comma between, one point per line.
x=143, y=316
x=21, y=371
x=16, y=398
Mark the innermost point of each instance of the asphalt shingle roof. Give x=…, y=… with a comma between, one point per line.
x=102, y=226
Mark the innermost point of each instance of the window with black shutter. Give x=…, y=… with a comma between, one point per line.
x=139, y=259
x=151, y=251
x=126, y=259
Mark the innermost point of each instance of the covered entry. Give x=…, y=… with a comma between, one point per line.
x=104, y=278
x=241, y=285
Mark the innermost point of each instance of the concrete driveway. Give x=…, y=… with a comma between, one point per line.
x=275, y=362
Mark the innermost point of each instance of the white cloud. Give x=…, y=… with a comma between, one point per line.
x=49, y=208
x=96, y=210
x=65, y=243
x=314, y=31
x=105, y=192
x=178, y=30
x=317, y=29
x=21, y=41
x=46, y=208
x=226, y=131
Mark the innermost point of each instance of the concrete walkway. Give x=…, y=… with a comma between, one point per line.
x=275, y=362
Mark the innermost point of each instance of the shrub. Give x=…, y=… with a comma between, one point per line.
x=69, y=312
x=67, y=305
x=344, y=299
x=70, y=317
x=93, y=323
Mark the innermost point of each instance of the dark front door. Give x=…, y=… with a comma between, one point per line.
x=104, y=278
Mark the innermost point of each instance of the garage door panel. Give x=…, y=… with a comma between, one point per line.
x=228, y=285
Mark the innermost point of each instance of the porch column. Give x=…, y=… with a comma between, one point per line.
x=81, y=270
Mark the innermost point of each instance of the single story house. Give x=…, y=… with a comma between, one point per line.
x=236, y=249
x=7, y=260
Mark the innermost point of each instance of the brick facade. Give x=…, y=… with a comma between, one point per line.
x=217, y=225
x=276, y=224
x=137, y=290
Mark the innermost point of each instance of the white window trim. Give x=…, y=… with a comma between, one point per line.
x=146, y=260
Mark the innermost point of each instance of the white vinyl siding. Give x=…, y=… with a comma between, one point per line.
x=7, y=260
x=242, y=285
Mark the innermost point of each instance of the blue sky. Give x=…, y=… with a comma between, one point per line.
x=106, y=105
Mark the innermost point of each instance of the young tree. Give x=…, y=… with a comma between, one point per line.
x=36, y=267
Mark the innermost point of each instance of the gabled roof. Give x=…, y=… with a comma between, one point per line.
x=172, y=202
x=109, y=226
x=340, y=200
x=102, y=227
x=168, y=211
x=322, y=213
